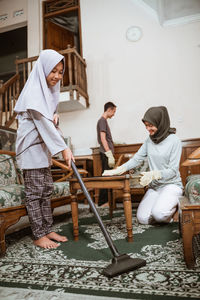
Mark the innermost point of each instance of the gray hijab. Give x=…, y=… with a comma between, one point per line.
x=36, y=94
x=159, y=117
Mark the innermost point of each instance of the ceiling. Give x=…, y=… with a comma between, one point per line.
x=174, y=12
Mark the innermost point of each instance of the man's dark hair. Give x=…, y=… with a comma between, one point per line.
x=109, y=105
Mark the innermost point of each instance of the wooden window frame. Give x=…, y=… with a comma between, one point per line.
x=61, y=11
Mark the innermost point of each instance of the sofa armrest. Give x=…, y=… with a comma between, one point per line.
x=64, y=167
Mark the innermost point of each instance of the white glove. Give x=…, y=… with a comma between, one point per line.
x=149, y=176
x=118, y=171
x=111, y=160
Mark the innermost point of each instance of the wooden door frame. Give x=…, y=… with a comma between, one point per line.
x=61, y=12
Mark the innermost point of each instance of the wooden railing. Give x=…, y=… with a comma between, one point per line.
x=9, y=92
x=75, y=79
x=76, y=74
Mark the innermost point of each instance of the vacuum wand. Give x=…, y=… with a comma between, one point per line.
x=121, y=263
x=91, y=203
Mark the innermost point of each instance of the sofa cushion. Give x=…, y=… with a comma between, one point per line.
x=11, y=195
x=14, y=195
x=192, y=188
x=8, y=173
x=61, y=189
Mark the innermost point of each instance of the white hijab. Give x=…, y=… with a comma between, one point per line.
x=36, y=94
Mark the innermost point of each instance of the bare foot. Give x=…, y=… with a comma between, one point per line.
x=59, y=238
x=46, y=243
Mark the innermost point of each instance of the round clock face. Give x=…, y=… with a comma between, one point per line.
x=134, y=33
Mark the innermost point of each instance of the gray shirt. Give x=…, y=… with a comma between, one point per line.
x=164, y=157
x=35, y=128
x=102, y=125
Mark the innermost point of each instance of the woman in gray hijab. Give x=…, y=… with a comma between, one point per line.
x=163, y=151
x=38, y=140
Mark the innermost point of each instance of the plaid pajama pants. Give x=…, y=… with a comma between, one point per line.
x=38, y=190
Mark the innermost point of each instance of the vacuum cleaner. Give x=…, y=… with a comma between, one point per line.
x=121, y=263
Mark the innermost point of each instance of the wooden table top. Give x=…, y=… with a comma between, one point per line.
x=105, y=178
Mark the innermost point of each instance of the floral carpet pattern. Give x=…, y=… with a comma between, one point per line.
x=76, y=267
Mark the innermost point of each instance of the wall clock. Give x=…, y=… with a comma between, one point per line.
x=134, y=33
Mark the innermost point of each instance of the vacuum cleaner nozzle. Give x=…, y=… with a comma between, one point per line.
x=123, y=264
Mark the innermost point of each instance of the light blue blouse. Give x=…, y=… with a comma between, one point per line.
x=164, y=156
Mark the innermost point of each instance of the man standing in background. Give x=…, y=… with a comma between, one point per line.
x=106, y=149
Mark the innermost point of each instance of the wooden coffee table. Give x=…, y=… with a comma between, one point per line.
x=103, y=182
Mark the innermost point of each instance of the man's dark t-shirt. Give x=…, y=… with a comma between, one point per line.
x=102, y=125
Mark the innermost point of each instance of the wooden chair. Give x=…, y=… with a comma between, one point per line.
x=65, y=168
x=69, y=174
x=123, y=158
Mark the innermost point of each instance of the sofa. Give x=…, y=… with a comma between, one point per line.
x=12, y=194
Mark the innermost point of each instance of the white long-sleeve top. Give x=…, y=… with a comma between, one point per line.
x=164, y=157
x=35, y=128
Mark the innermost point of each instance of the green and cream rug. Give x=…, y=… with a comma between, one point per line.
x=76, y=267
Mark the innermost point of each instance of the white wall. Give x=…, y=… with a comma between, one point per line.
x=163, y=68
x=34, y=17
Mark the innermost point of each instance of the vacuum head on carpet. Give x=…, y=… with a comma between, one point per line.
x=123, y=264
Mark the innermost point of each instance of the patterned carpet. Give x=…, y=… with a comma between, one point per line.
x=76, y=267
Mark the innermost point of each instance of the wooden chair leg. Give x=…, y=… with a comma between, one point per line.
x=176, y=215
x=96, y=196
x=114, y=195
x=110, y=201
x=2, y=236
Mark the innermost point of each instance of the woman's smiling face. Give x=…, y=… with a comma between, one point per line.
x=151, y=128
x=55, y=75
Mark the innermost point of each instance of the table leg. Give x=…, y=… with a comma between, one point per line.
x=74, y=208
x=96, y=196
x=110, y=202
x=128, y=210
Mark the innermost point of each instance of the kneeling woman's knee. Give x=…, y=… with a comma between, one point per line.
x=160, y=216
x=142, y=219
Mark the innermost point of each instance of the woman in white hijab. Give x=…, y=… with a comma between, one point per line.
x=38, y=140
